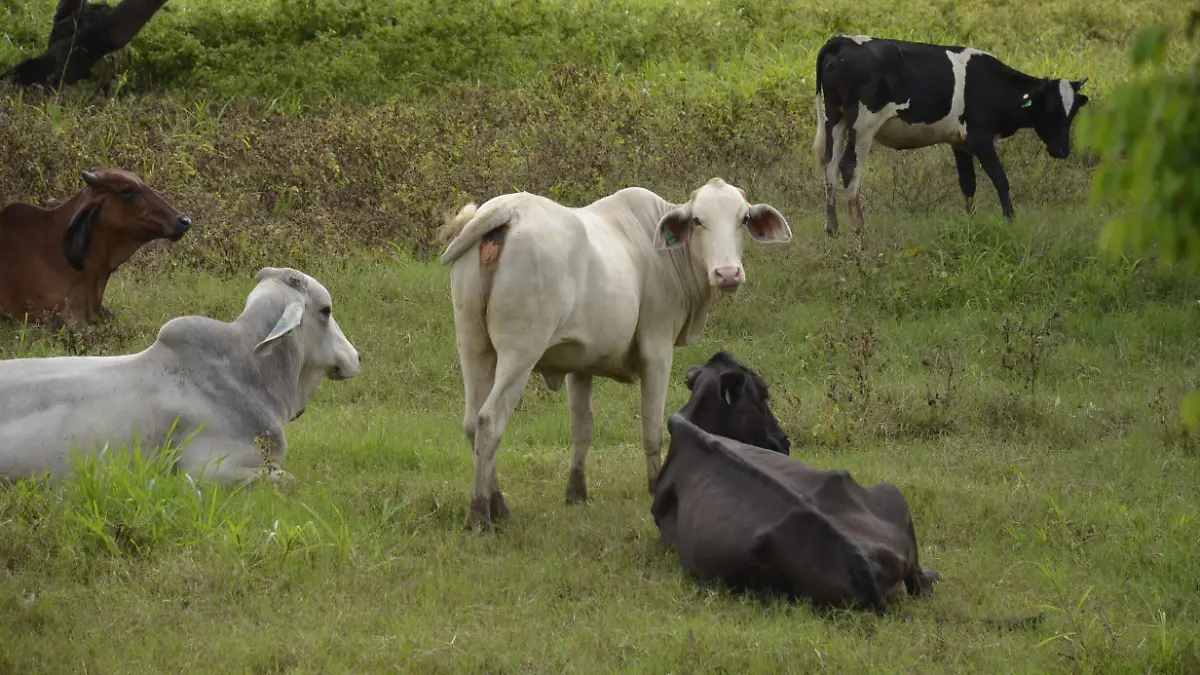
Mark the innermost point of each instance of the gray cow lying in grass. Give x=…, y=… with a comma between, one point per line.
x=222, y=391
x=756, y=519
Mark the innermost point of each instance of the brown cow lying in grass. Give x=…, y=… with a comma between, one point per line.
x=55, y=263
x=756, y=519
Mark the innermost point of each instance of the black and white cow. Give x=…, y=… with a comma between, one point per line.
x=909, y=95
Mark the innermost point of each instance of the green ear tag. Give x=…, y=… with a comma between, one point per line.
x=1028, y=102
x=670, y=237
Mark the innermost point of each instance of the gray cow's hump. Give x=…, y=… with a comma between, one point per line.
x=196, y=334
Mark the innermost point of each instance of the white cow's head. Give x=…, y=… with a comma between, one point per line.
x=308, y=316
x=710, y=226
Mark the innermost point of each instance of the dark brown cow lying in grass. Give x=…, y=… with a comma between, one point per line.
x=755, y=519
x=729, y=399
x=55, y=263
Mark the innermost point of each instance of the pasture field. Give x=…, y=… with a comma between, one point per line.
x=1021, y=388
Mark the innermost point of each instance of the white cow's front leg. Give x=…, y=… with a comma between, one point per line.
x=655, y=375
x=235, y=462
x=579, y=398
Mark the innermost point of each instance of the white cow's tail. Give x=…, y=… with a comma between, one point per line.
x=454, y=224
x=469, y=226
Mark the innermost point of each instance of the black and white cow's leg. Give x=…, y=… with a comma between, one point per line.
x=863, y=138
x=965, y=163
x=835, y=133
x=579, y=399
x=990, y=161
x=849, y=157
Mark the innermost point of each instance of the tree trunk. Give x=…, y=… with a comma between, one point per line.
x=81, y=35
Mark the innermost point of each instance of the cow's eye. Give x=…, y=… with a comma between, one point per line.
x=746, y=218
x=326, y=311
x=696, y=222
x=129, y=194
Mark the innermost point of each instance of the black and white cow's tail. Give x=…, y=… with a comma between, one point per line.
x=828, y=50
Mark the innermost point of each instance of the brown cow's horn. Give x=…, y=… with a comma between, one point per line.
x=90, y=178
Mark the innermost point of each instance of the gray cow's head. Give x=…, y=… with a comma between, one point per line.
x=1054, y=105
x=308, y=316
x=710, y=226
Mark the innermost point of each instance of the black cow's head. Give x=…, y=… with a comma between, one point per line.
x=728, y=399
x=1054, y=104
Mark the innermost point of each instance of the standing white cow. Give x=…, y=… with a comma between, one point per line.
x=605, y=290
x=231, y=387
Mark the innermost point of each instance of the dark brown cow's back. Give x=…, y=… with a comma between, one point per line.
x=756, y=519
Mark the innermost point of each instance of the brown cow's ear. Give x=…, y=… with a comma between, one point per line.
x=767, y=225
x=674, y=229
x=78, y=238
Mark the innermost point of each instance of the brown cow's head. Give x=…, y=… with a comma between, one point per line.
x=119, y=205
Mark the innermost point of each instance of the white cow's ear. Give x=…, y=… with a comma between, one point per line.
x=291, y=317
x=767, y=225
x=674, y=229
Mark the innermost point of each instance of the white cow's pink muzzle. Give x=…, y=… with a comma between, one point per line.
x=727, y=277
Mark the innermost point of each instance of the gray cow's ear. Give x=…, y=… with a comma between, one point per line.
x=674, y=229
x=767, y=225
x=294, y=279
x=291, y=317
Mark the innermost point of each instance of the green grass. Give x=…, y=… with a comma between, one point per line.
x=1083, y=499
x=332, y=136
x=318, y=50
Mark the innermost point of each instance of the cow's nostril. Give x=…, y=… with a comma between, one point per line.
x=185, y=221
x=730, y=274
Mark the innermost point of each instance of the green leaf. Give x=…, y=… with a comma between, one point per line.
x=1150, y=46
x=1189, y=411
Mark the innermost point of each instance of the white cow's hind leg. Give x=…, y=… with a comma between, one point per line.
x=655, y=374
x=512, y=373
x=579, y=398
x=479, y=373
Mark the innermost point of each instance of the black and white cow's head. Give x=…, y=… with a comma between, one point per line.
x=728, y=399
x=1053, y=106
